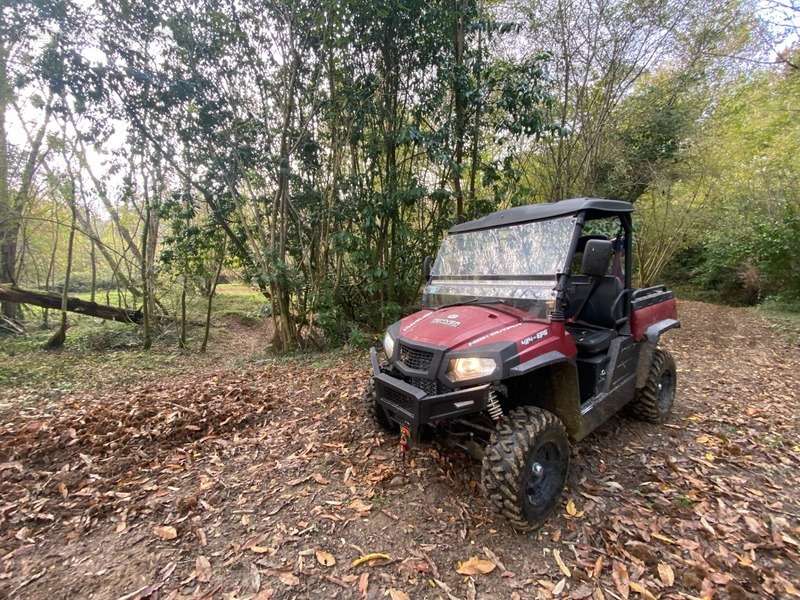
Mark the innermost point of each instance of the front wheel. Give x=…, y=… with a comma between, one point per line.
x=653, y=402
x=525, y=466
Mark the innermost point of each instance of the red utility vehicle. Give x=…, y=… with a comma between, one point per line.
x=529, y=338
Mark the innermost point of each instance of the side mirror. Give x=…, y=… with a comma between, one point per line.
x=596, y=257
x=427, y=263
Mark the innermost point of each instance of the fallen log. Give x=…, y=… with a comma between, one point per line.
x=11, y=293
x=11, y=326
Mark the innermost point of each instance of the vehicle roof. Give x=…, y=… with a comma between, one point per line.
x=594, y=207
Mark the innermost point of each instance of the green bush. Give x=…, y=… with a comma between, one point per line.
x=752, y=255
x=358, y=338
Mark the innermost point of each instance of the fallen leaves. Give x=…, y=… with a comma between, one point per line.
x=664, y=538
x=476, y=566
x=288, y=578
x=619, y=573
x=572, y=510
x=360, y=506
x=202, y=569
x=326, y=559
x=320, y=479
x=654, y=513
x=363, y=584
x=641, y=590
x=165, y=532
x=666, y=574
x=561, y=565
x=369, y=558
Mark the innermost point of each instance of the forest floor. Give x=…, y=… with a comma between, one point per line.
x=263, y=479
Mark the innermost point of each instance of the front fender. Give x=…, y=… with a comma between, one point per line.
x=563, y=399
x=541, y=361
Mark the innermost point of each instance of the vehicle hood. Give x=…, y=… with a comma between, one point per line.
x=466, y=326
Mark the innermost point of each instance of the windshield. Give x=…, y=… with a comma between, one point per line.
x=526, y=250
x=516, y=265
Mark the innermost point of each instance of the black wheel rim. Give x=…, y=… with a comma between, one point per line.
x=666, y=391
x=545, y=474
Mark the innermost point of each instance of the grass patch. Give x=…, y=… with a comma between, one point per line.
x=100, y=353
x=783, y=317
x=684, y=291
x=236, y=300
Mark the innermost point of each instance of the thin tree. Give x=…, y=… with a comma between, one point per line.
x=58, y=338
x=146, y=291
x=211, y=291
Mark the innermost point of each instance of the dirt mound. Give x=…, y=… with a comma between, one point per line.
x=92, y=451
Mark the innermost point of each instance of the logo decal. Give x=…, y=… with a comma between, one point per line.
x=448, y=322
x=535, y=337
x=453, y=316
x=483, y=338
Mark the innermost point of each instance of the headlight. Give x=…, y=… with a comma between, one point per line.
x=461, y=369
x=388, y=345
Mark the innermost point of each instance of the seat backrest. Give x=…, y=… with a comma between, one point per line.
x=597, y=310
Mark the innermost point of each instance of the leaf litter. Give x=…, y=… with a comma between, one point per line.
x=267, y=481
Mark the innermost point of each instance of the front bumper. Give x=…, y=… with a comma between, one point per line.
x=409, y=405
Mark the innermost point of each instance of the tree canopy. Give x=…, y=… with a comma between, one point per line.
x=325, y=147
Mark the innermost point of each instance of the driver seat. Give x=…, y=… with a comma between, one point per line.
x=595, y=325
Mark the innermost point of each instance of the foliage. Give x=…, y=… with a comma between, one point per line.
x=746, y=164
x=320, y=150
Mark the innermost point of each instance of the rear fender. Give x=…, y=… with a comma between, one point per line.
x=651, y=306
x=649, y=343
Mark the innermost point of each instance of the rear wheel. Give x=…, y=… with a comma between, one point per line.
x=653, y=403
x=375, y=411
x=525, y=466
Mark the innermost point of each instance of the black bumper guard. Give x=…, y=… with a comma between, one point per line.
x=408, y=405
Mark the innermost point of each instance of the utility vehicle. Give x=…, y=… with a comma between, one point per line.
x=530, y=336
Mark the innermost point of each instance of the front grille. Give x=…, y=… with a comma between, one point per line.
x=430, y=386
x=398, y=398
x=418, y=360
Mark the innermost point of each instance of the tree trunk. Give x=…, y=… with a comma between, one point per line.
x=102, y=193
x=93, y=260
x=287, y=332
x=211, y=293
x=458, y=93
x=11, y=207
x=8, y=227
x=58, y=338
x=182, y=339
x=8, y=258
x=476, y=125
x=148, y=341
x=52, y=301
x=52, y=266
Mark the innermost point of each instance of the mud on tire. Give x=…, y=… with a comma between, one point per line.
x=525, y=466
x=375, y=411
x=653, y=403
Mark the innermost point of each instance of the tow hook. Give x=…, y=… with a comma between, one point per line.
x=405, y=433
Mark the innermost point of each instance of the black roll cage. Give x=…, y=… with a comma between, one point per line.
x=563, y=278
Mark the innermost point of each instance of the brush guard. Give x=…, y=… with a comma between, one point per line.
x=413, y=408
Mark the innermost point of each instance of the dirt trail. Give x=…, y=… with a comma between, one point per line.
x=248, y=483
